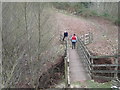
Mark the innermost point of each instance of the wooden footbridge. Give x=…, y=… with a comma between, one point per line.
x=80, y=65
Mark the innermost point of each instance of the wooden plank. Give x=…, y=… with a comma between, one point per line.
x=102, y=77
x=104, y=65
x=105, y=71
x=68, y=68
x=86, y=34
x=116, y=68
x=106, y=56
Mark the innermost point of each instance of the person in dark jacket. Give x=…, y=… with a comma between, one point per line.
x=65, y=35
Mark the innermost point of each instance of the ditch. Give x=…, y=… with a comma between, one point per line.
x=52, y=76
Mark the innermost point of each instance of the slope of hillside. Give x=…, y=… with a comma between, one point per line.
x=105, y=33
x=30, y=42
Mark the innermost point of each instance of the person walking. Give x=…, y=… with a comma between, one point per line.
x=73, y=40
x=65, y=35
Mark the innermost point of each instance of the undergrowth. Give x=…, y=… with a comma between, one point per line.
x=83, y=9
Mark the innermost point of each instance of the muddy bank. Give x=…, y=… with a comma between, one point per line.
x=52, y=76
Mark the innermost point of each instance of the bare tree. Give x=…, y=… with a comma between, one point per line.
x=39, y=33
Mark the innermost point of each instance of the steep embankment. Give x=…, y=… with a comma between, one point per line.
x=30, y=43
x=105, y=33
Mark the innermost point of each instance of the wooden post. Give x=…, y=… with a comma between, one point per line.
x=116, y=68
x=89, y=37
x=114, y=81
x=91, y=68
x=65, y=61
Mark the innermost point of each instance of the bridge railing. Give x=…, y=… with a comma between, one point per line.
x=104, y=71
x=87, y=38
x=66, y=62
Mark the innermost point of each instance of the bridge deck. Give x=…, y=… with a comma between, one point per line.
x=77, y=70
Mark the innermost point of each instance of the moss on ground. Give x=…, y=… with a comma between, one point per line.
x=91, y=84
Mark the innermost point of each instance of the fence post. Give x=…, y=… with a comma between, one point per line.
x=86, y=39
x=90, y=37
x=115, y=81
x=66, y=81
x=116, y=68
x=91, y=66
